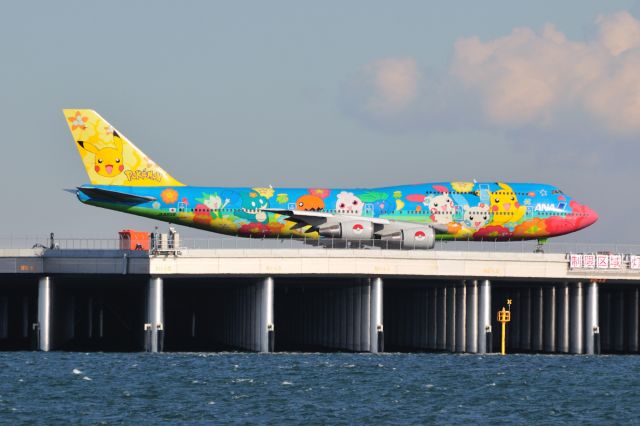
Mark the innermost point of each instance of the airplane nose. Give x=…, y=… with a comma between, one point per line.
x=591, y=216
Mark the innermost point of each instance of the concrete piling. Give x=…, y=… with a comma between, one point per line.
x=472, y=317
x=550, y=316
x=592, y=328
x=576, y=338
x=632, y=321
x=537, y=318
x=484, y=318
x=461, y=314
x=45, y=285
x=154, y=328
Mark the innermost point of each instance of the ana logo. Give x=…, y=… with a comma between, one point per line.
x=358, y=228
x=545, y=207
x=420, y=235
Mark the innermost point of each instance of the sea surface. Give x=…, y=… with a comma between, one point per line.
x=202, y=388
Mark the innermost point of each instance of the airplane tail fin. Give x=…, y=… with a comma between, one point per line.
x=109, y=157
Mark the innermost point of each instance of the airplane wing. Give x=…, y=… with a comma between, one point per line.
x=111, y=195
x=315, y=219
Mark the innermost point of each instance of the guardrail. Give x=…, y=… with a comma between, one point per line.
x=24, y=242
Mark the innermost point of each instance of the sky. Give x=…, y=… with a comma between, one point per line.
x=322, y=94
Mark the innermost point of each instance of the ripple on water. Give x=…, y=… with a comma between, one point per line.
x=329, y=388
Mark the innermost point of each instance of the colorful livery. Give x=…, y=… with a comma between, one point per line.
x=409, y=216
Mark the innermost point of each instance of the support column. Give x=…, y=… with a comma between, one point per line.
x=513, y=334
x=44, y=313
x=365, y=330
x=377, y=327
x=472, y=317
x=441, y=335
x=550, y=319
x=451, y=318
x=154, y=329
x=25, y=317
x=461, y=313
x=576, y=337
x=618, y=315
x=592, y=328
x=607, y=323
x=563, y=318
x=485, y=338
x=267, y=326
x=357, y=318
x=4, y=317
x=632, y=321
x=350, y=318
x=90, y=317
x=433, y=318
x=537, y=319
x=525, y=330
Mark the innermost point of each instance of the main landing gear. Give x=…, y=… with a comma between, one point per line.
x=541, y=242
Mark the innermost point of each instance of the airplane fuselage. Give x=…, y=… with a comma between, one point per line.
x=456, y=210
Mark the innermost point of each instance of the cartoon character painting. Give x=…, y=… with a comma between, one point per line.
x=505, y=206
x=309, y=203
x=476, y=217
x=109, y=161
x=252, y=205
x=348, y=203
x=441, y=208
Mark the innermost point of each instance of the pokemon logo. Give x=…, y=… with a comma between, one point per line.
x=143, y=174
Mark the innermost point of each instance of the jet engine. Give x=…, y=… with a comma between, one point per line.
x=349, y=230
x=422, y=237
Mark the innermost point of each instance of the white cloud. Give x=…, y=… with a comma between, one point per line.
x=524, y=79
x=394, y=82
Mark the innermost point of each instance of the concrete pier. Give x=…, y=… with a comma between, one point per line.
x=433, y=319
x=592, y=327
x=451, y=318
x=472, y=317
x=376, y=337
x=513, y=337
x=267, y=327
x=563, y=317
x=442, y=327
x=485, y=334
x=576, y=339
x=4, y=317
x=154, y=328
x=45, y=290
x=550, y=326
x=537, y=320
x=618, y=322
x=461, y=317
x=632, y=321
x=525, y=319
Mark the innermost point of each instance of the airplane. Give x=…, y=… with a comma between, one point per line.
x=124, y=179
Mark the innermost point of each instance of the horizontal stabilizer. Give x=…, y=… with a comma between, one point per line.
x=110, y=195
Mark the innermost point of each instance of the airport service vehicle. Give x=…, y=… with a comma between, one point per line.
x=414, y=216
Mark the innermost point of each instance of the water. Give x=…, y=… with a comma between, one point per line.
x=317, y=388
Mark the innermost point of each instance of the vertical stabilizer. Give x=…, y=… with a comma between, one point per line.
x=109, y=157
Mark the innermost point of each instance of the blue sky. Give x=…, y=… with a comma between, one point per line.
x=292, y=93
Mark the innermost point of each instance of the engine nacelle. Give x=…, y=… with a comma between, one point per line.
x=349, y=230
x=422, y=237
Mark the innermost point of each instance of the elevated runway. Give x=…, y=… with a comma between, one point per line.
x=314, y=299
x=309, y=262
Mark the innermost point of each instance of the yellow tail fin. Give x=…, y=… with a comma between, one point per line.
x=109, y=157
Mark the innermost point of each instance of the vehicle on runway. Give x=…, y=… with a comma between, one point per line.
x=123, y=178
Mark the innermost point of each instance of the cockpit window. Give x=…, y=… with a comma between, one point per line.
x=557, y=191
